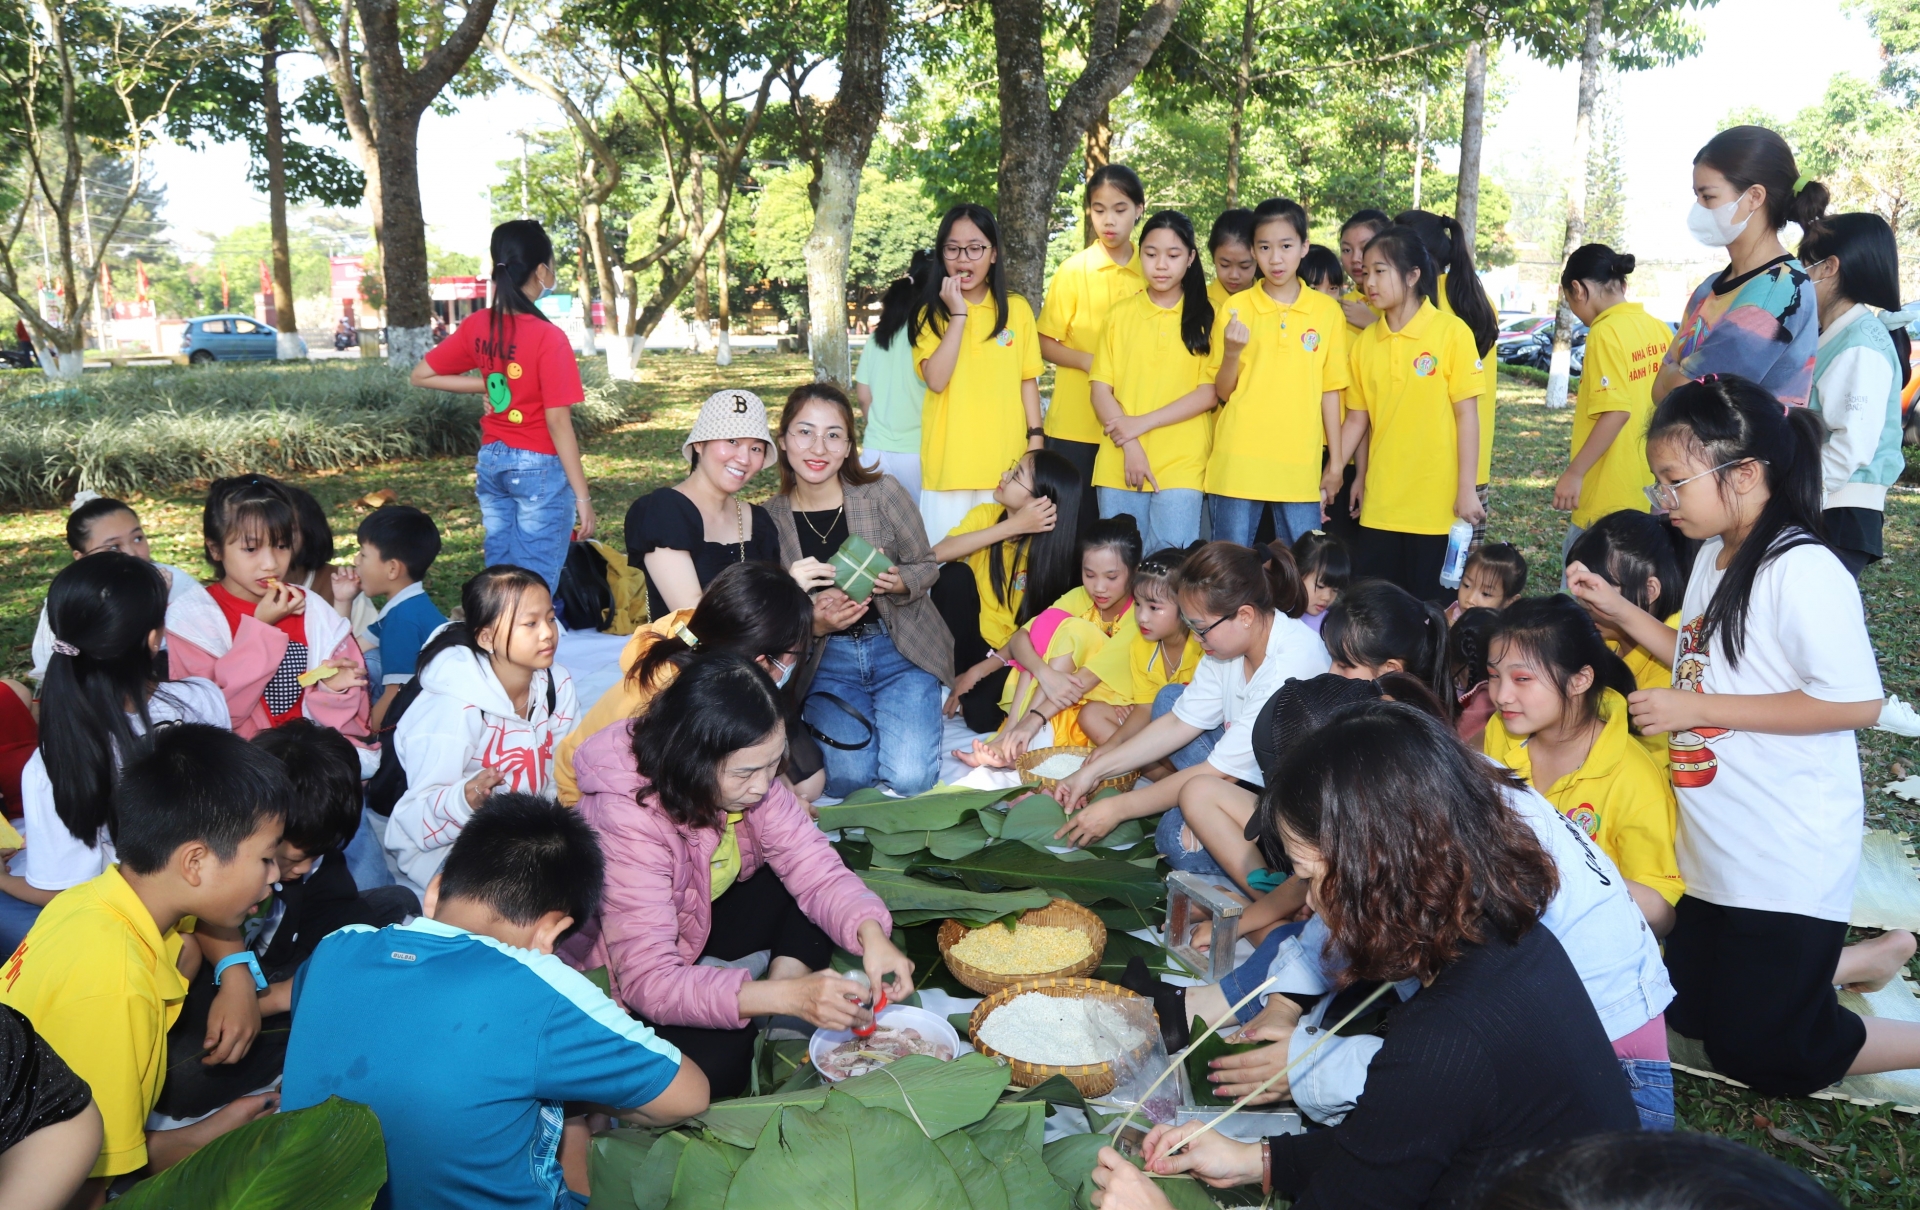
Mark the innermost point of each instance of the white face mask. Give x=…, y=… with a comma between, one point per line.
x=784, y=674
x=1716, y=228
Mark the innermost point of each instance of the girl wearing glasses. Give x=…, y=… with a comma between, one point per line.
x=891, y=660
x=982, y=370
x=1773, y=672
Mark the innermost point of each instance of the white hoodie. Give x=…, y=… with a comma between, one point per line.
x=461, y=723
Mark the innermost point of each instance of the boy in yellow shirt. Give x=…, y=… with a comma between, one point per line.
x=1560, y=722
x=104, y=972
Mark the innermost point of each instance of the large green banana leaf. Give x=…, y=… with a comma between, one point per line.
x=978, y=1174
x=947, y=1096
x=967, y=836
x=1071, y=1161
x=329, y=1155
x=1036, y=818
x=614, y=1159
x=1012, y=864
x=843, y=1156
x=904, y=892
x=1022, y=1170
x=939, y=808
x=705, y=1177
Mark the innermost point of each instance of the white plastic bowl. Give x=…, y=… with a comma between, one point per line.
x=895, y=1016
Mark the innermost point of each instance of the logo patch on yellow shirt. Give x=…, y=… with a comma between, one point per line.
x=1605, y=382
x=1005, y=339
x=514, y=371
x=1425, y=364
x=1587, y=818
x=1309, y=340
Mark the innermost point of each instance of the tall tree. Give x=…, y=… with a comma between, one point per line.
x=1591, y=48
x=366, y=52
x=1038, y=137
x=82, y=76
x=838, y=157
x=1473, y=122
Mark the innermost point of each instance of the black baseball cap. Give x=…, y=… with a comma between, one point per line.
x=1296, y=710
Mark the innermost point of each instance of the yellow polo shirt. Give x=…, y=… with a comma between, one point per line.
x=1269, y=434
x=1408, y=382
x=1619, y=795
x=1649, y=673
x=1142, y=357
x=1624, y=351
x=1083, y=293
x=974, y=430
x=1136, y=671
x=997, y=613
x=101, y=984
x=1216, y=294
x=1490, y=378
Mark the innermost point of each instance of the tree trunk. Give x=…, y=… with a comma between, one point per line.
x=1242, y=86
x=1036, y=137
x=400, y=227
x=1099, y=153
x=846, y=137
x=723, y=335
x=1590, y=50
x=287, y=345
x=1473, y=121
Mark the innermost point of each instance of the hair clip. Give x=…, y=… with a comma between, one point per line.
x=62, y=647
x=1802, y=181
x=691, y=639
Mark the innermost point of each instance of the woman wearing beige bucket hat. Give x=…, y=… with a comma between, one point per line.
x=685, y=535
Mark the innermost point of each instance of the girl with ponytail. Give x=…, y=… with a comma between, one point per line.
x=1462, y=295
x=1757, y=317
x=1560, y=722
x=1243, y=607
x=1608, y=472
x=106, y=684
x=1858, y=376
x=1153, y=390
x=1772, y=675
x=528, y=476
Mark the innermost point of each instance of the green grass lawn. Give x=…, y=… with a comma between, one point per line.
x=1861, y=1154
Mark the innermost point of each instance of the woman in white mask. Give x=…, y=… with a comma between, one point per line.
x=1757, y=317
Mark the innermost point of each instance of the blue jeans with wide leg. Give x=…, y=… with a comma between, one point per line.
x=900, y=699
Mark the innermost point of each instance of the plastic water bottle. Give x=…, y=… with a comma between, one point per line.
x=1459, y=539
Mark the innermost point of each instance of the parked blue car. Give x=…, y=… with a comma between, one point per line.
x=227, y=338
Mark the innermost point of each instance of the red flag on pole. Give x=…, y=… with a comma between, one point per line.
x=266, y=280
x=226, y=301
x=140, y=283
x=106, y=284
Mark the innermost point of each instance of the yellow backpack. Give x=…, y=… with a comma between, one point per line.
x=600, y=590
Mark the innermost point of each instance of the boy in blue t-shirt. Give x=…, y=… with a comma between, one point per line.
x=398, y=543
x=483, y=1035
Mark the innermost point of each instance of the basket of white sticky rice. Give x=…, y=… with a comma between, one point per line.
x=1057, y=941
x=1047, y=767
x=1083, y=1029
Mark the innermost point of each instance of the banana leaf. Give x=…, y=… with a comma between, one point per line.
x=1034, y=820
x=651, y=1185
x=857, y=853
x=1200, y=1056
x=613, y=1159
x=947, y=1096
x=1028, y=1184
x=929, y=812
x=1025, y=1119
x=921, y=943
x=1122, y=946
x=1126, y=919
x=1071, y=1161
x=979, y=1176
x=1012, y=864
x=965, y=837
x=330, y=1154
x=704, y=1179
x=845, y=1155
x=900, y=890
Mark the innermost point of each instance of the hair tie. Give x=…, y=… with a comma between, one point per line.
x=80, y=498
x=1900, y=319
x=1804, y=179
x=686, y=635
x=62, y=647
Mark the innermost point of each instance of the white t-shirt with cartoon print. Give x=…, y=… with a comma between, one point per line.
x=1772, y=822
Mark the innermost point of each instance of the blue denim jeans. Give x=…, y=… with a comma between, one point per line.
x=1253, y=972
x=1169, y=517
x=900, y=699
x=1237, y=520
x=365, y=854
x=527, y=508
x=1650, y=1082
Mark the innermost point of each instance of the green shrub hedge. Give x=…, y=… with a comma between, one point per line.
x=120, y=431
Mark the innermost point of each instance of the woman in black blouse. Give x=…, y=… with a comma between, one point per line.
x=684, y=535
x=1500, y=1050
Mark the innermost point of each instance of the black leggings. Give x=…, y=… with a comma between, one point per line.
x=1413, y=561
x=957, y=596
x=752, y=915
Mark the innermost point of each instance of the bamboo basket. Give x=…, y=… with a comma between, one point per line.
x=1092, y=1079
x=1029, y=760
x=1061, y=913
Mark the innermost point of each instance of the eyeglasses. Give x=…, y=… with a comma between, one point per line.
x=1667, y=495
x=832, y=440
x=1012, y=475
x=1200, y=632
x=965, y=251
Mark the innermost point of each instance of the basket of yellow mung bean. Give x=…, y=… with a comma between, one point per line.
x=1060, y=940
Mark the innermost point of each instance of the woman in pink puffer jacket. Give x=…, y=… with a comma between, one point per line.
x=710, y=855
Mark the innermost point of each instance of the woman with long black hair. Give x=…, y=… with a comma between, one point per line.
x=528, y=476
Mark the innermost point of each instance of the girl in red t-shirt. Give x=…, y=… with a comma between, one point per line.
x=528, y=476
x=281, y=661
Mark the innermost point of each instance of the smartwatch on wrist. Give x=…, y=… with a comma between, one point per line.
x=243, y=958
